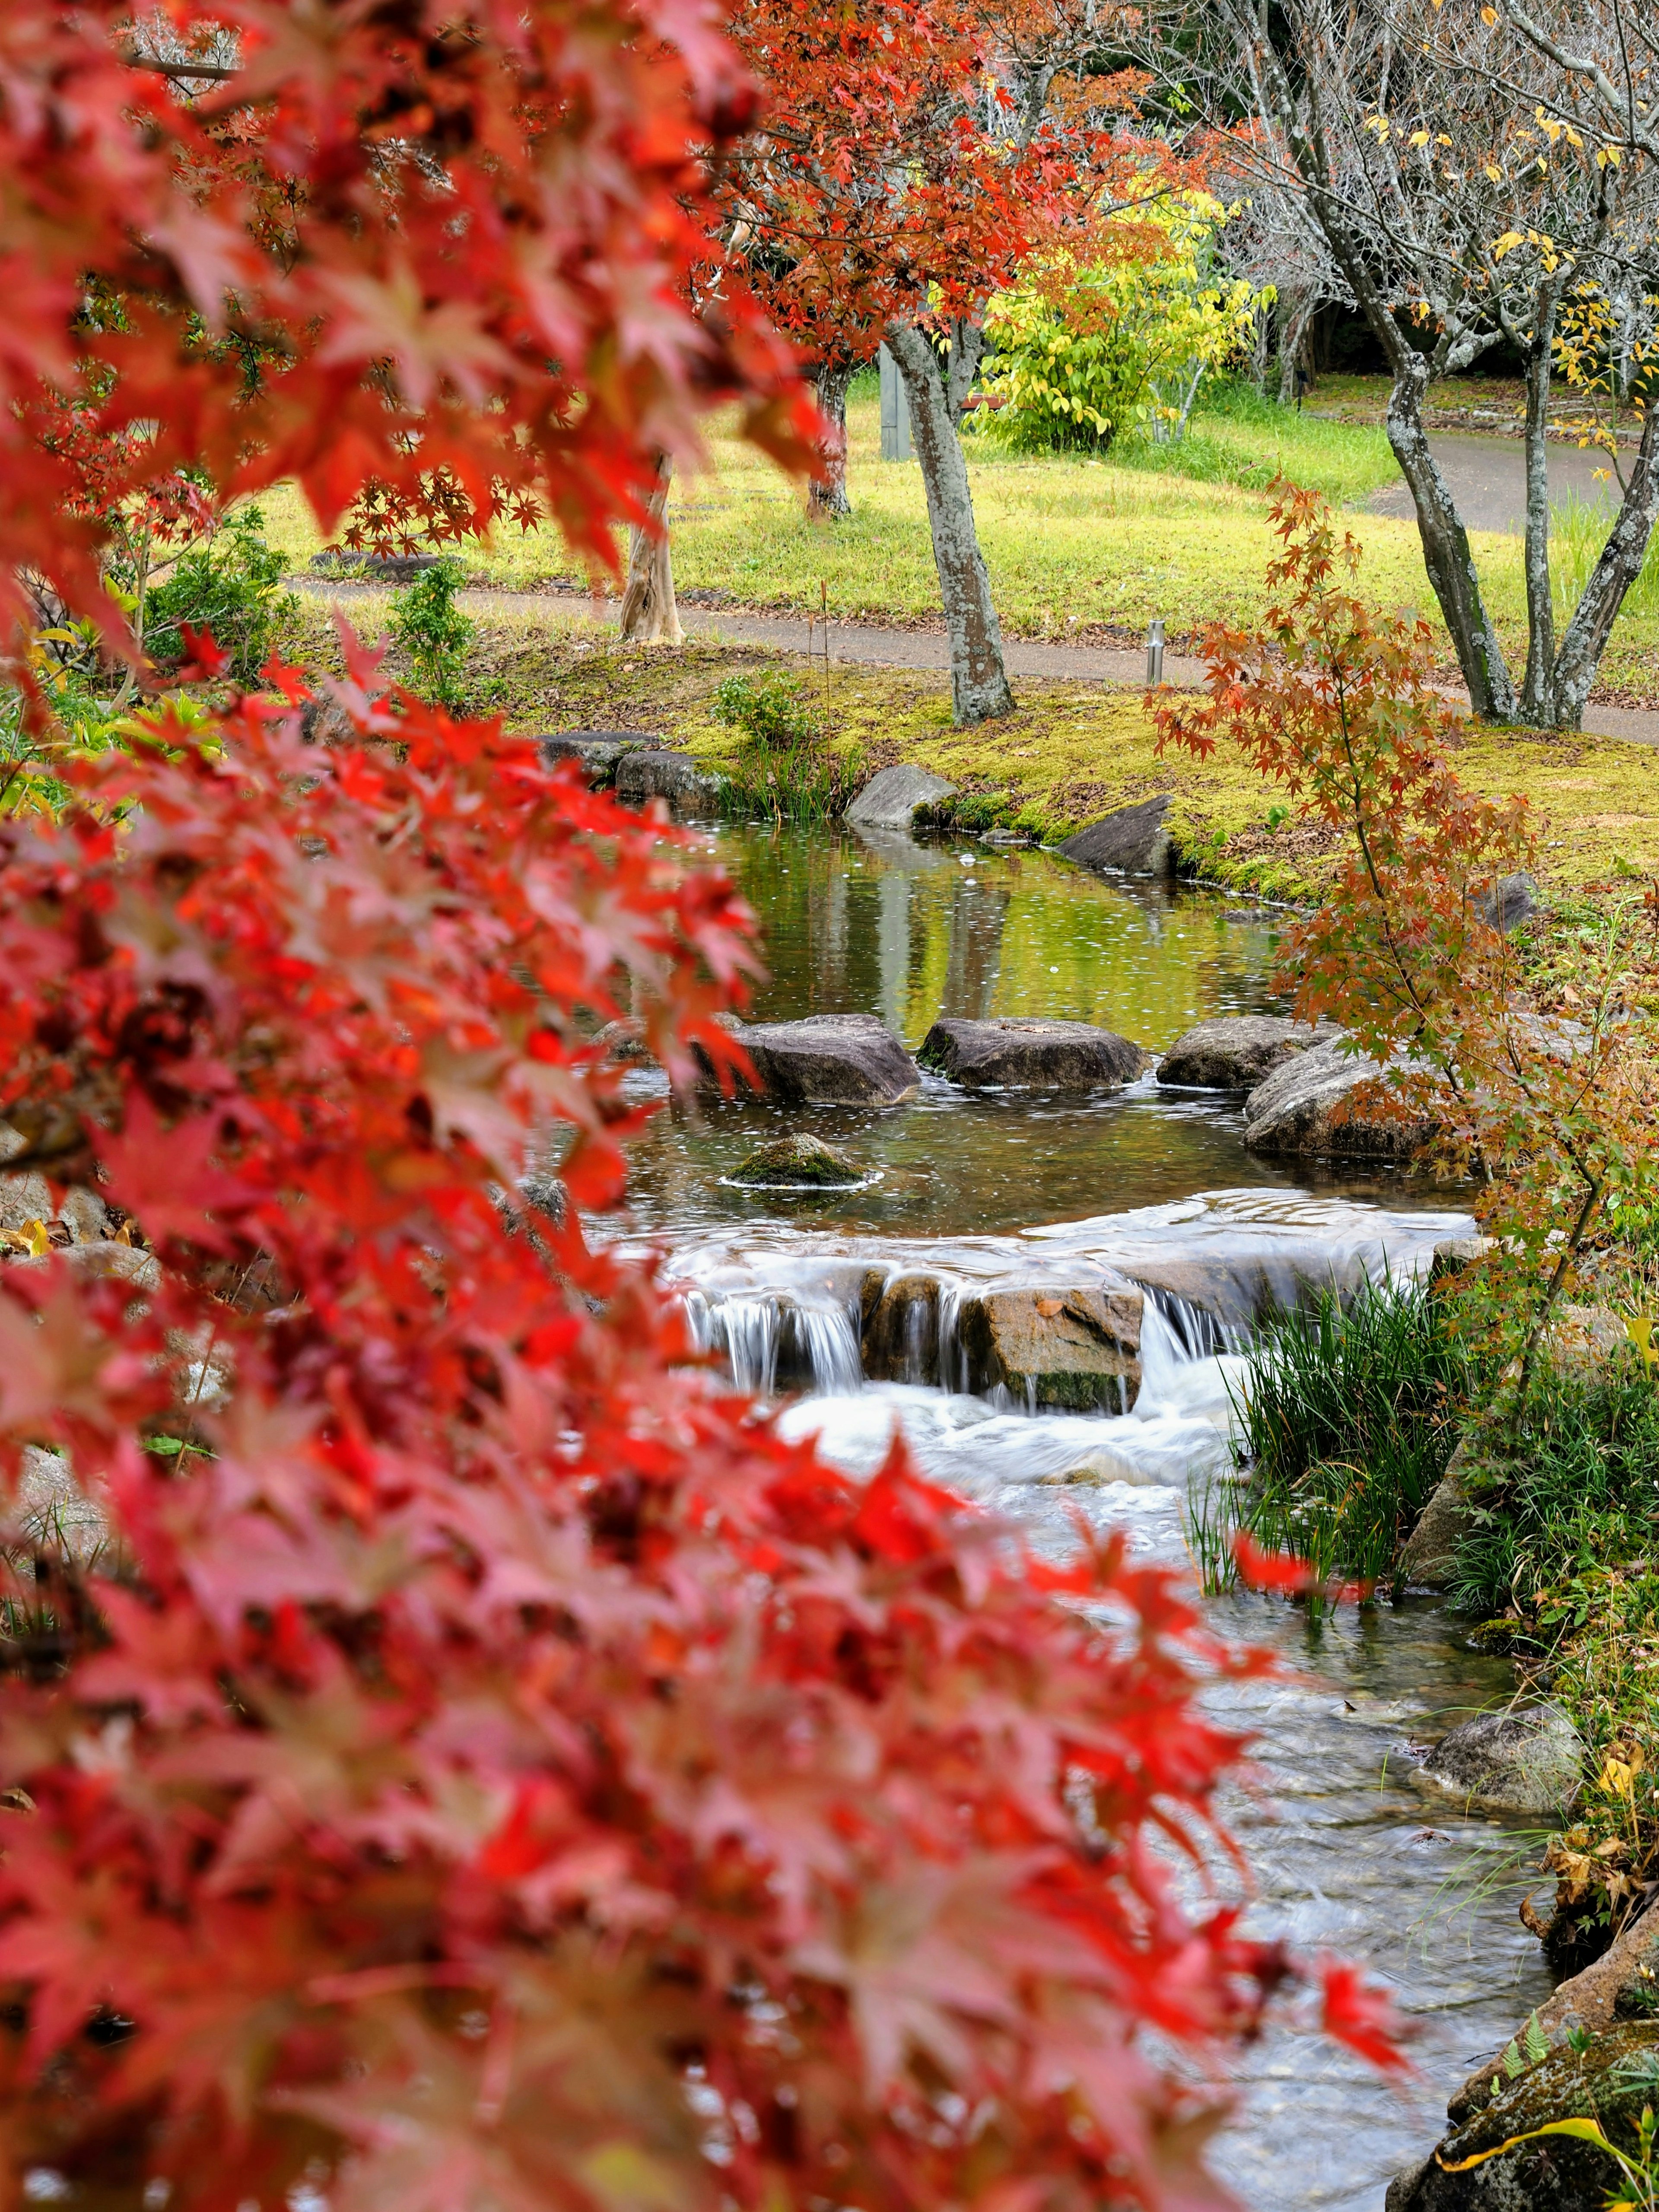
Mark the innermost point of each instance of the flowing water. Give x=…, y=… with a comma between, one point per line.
x=1347, y=1853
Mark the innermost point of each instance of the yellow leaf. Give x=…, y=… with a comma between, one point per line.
x=1419, y=139
x=1489, y=15
x=1494, y=173
x=34, y=1236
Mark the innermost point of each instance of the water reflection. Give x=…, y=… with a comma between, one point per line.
x=909, y=931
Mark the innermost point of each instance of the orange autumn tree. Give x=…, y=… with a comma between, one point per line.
x=476, y=1762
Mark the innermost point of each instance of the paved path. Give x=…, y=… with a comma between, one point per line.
x=867, y=645
x=1488, y=479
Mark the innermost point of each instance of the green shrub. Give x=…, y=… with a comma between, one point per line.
x=433, y=634
x=1344, y=1424
x=769, y=710
x=231, y=587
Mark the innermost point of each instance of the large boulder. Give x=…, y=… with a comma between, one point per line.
x=890, y=800
x=1031, y=1055
x=675, y=777
x=1236, y=1052
x=1133, y=841
x=1606, y=2077
x=599, y=751
x=1325, y=1102
x=1528, y=1760
x=1429, y=1558
x=1077, y=1349
x=842, y=1059
x=797, y=1161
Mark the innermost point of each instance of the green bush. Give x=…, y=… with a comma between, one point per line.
x=769, y=710
x=232, y=587
x=432, y=634
x=1344, y=1424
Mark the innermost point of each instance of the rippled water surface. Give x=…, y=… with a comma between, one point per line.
x=1347, y=1853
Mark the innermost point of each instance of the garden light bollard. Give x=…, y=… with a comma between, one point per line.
x=1155, y=653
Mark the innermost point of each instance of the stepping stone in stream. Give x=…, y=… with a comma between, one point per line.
x=800, y=1162
x=1325, y=1102
x=1031, y=1055
x=840, y=1059
x=1236, y=1052
x=890, y=800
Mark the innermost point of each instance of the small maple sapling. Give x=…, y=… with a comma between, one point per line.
x=1540, y=1083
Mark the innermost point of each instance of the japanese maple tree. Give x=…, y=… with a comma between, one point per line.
x=479, y=1763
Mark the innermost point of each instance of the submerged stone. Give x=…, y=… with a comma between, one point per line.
x=1531, y=1760
x=1031, y=1055
x=799, y=1161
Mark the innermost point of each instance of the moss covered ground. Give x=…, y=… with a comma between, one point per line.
x=1069, y=753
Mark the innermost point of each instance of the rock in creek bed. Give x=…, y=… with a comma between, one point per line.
x=890, y=800
x=1530, y=1760
x=1133, y=841
x=1031, y=1055
x=1236, y=1052
x=1074, y=1348
x=849, y=1060
x=799, y=1161
x=1324, y=1101
x=675, y=777
x=599, y=751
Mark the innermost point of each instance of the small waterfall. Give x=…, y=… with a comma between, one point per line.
x=774, y=1344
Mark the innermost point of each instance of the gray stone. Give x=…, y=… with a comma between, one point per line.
x=849, y=1060
x=1511, y=900
x=1323, y=1101
x=1609, y=2079
x=1133, y=841
x=1031, y=1055
x=800, y=1162
x=900, y=1339
x=378, y=568
x=599, y=751
x=1428, y=1560
x=890, y=800
x=1530, y=1760
x=1077, y=1349
x=644, y=774
x=1236, y=1052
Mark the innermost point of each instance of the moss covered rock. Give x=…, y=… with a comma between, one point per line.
x=797, y=1161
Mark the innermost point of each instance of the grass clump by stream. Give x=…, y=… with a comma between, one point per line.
x=784, y=770
x=1344, y=1424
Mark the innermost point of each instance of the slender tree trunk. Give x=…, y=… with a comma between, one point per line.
x=1536, y=685
x=1585, y=637
x=1446, y=552
x=649, y=614
x=827, y=501
x=1260, y=333
x=979, y=682
x=1292, y=331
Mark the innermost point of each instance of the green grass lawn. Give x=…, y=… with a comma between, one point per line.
x=1076, y=546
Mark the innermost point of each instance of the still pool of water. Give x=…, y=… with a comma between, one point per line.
x=909, y=931
x=1348, y=1854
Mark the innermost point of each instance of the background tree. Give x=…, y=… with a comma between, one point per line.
x=1427, y=143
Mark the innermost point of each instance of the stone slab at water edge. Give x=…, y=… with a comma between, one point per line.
x=1236, y=1052
x=828, y=1059
x=890, y=800
x=675, y=777
x=1529, y=1760
x=1322, y=1102
x=599, y=751
x=1031, y=1055
x=1133, y=841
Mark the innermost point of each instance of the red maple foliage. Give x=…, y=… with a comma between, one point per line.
x=446, y=257
x=486, y=1763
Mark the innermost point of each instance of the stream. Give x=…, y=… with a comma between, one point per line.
x=1149, y=1187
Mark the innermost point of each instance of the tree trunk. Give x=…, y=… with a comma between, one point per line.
x=1260, y=334
x=979, y=682
x=1293, y=330
x=1446, y=552
x=1585, y=637
x=827, y=501
x=1536, y=685
x=649, y=615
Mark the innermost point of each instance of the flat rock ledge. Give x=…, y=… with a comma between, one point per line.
x=1031, y=1055
x=890, y=800
x=1529, y=1760
x=1324, y=1101
x=599, y=751
x=1236, y=1052
x=1074, y=1348
x=828, y=1059
x=1133, y=841
x=676, y=778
